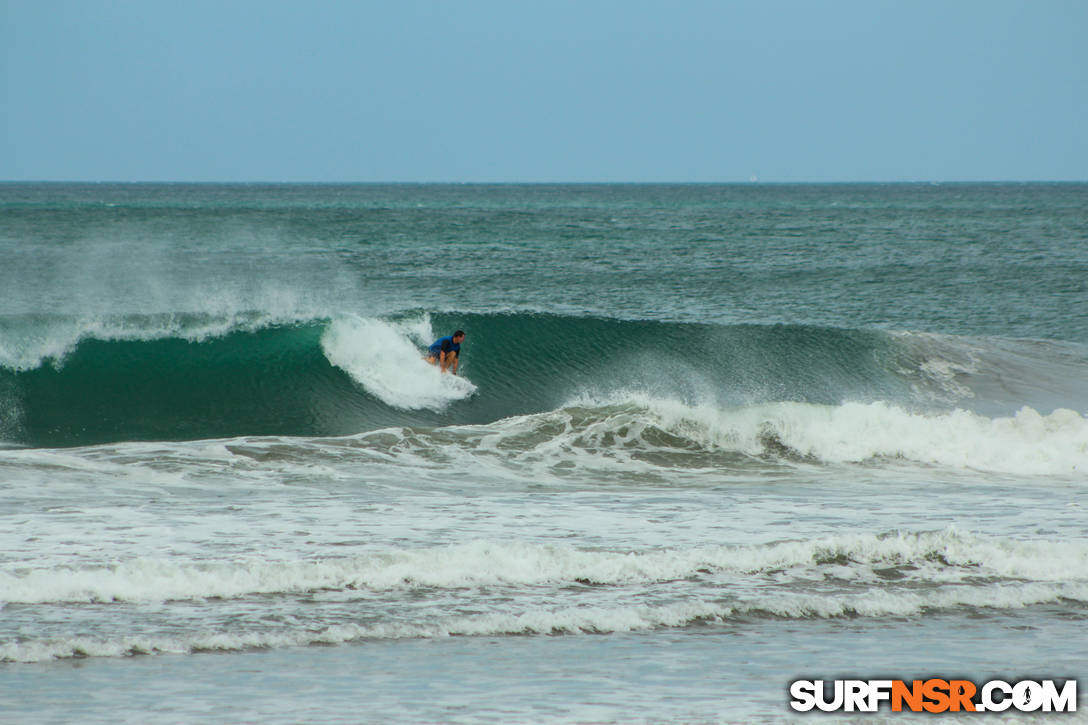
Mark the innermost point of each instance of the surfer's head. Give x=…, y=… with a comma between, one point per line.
x=459, y=336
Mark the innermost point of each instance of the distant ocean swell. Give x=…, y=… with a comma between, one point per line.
x=855, y=575
x=661, y=393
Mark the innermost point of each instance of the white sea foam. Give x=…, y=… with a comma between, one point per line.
x=1027, y=443
x=382, y=358
x=933, y=558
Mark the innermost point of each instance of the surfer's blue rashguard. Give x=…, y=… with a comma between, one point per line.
x=445, y=344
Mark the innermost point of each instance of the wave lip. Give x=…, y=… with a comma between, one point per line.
x=32, y=341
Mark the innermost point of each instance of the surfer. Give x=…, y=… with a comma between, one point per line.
x=446, y=351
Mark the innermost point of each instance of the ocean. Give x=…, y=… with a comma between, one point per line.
x=705, y=440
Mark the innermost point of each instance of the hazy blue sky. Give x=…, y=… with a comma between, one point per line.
x=592, y=90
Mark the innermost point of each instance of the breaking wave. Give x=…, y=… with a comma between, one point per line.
x=627, y=389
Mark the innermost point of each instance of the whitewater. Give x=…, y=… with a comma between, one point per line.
x=706, y=440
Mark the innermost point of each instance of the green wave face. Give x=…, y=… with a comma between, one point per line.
x=272, y=381
x=344, y=376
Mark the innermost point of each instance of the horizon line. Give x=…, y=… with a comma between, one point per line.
x=749, y=182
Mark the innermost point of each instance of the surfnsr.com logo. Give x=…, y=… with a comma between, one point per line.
x=933, y=695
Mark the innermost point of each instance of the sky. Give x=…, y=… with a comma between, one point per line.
x=544, y=91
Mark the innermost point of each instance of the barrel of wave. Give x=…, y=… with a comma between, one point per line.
x=382, y=357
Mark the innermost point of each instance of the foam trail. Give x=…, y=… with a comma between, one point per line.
x=380, y=356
